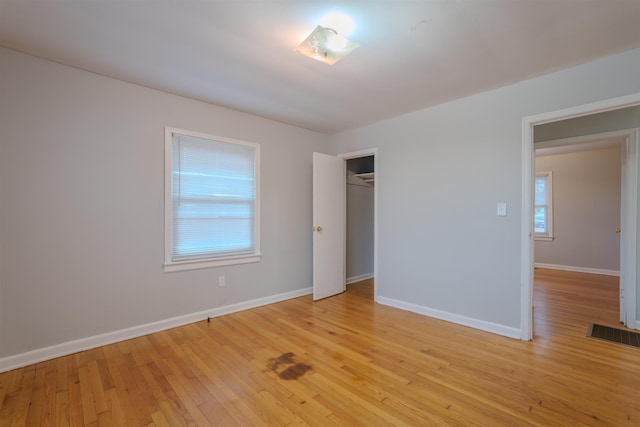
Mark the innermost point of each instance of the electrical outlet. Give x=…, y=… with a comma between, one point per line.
x=221, y=281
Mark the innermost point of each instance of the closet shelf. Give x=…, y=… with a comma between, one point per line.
x=366, y=177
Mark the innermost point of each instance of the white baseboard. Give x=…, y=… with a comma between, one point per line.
x=453, y=318
x=46, y=353
x=578, y=269
x=359, y=278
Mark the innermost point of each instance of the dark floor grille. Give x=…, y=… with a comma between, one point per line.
x=620, y=336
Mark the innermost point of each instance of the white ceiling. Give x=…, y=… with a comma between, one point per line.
x=241, y=54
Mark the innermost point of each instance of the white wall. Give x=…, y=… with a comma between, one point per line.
x=81, y=206
x=441, y=171
x=586, y=210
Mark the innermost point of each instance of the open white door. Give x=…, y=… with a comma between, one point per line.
x=328, y=225
x=628, y=229
x=623, y=279
x=624, y=182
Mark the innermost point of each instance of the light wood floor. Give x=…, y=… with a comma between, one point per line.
x=346, y=361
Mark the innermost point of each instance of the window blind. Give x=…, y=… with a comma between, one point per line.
x=213, y=198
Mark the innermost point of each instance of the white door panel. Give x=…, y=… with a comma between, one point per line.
x=328, y=225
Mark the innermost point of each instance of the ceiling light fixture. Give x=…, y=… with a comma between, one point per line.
x=326, y=45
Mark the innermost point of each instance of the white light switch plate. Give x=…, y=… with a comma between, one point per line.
x=502, y=209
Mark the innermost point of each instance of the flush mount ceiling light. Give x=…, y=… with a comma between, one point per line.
x=326, y=45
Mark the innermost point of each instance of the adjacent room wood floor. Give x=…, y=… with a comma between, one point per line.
x=346, y=361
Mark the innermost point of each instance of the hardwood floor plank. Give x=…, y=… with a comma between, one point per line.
x=127, y=395
x=217, y=415
x=184, y=404
x=61, y=417
x=217, y=382
x=173, y=417
x=159, y=420
x=88, y=399
x=294, y=395
x=23, y=397
x=76, y=416
x=114, y=408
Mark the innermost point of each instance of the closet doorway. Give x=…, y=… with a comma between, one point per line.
x=360, y=181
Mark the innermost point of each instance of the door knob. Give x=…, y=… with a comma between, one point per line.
x=618, y=230
x=317, y=228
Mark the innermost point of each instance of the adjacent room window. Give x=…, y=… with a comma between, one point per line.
x=543, y=211
x=212, y=208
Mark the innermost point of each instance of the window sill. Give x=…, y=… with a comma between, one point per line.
x=544, y=238
x=170, y=267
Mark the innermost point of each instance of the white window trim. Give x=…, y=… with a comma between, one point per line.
x=173, y=266
x=548, y=236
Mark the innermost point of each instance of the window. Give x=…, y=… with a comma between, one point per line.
x=543, y=212
x=212, y=207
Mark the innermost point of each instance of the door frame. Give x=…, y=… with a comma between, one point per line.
x=355, y=155
x=528, y=179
